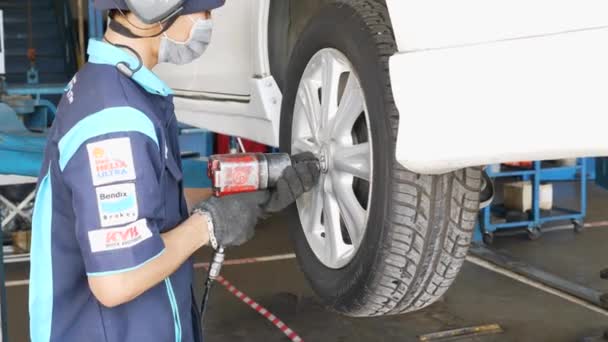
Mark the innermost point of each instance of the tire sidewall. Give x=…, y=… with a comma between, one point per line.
x=339, y=26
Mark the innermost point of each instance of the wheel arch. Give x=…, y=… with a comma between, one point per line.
x=286, y=20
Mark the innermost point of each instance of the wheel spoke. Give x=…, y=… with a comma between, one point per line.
x=303, y=145
x=351, y=211
x=354, y=160
x=350, y=108
x=334, y=243
x=310, y=106
x=315, y=207
x=310, y=207
x=332, y=69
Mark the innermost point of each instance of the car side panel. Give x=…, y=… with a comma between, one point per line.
x=228, y=64
x=429, y=24
x=524, y=99
x=229, y=89
x=486, y=81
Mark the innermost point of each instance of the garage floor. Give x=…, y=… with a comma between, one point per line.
x=477, y=297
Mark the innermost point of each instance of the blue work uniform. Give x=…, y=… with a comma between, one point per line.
x=111, y=183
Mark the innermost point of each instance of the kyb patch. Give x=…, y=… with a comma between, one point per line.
x=111, y=161
x=117, y=204
x=102, y=240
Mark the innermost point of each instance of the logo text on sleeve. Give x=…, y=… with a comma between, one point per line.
x=117, y=204
x=111, y=161
x=109, y=239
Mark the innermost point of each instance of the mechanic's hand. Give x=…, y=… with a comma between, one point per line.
x=297, y=179
x=235, y=217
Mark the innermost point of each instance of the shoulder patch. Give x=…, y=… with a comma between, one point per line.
x=117, y=204
x=111, y=161
x=109, y=239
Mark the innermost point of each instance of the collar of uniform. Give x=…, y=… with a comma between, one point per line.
x=104, y=53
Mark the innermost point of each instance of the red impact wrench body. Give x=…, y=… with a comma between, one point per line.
x=247, y=172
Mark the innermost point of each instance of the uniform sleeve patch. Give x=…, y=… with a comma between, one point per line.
x=117, y=204
x=111, y=161
x=103, y=240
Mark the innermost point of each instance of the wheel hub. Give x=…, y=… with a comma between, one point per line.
x=324, y=159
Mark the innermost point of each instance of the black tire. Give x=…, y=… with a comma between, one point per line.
x=419, y=227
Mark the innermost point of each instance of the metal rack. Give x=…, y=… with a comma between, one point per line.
x=537, y=174
x=3, y=298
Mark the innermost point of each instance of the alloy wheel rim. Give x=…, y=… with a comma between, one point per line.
x=331, y=120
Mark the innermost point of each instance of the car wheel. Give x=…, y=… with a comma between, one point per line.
x=374, y=238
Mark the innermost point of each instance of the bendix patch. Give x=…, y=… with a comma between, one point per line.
x=117, y=204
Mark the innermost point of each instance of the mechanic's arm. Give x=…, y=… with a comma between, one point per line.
x=118, y=204
x=117, y=182
x=233, y=222
x=180, y=243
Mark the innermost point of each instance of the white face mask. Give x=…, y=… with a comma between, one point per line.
x=175, y=52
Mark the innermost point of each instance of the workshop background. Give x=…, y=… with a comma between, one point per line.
x=534, y=272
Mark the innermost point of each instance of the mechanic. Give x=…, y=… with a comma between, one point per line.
x=112, y=238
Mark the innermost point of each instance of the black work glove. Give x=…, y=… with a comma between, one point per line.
x=297, y=179
x=234, y=217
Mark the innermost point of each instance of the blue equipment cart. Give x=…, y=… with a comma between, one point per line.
x=536, y=219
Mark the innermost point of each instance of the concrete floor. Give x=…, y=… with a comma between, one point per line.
x=477, y=297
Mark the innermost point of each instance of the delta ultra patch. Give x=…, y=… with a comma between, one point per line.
x=111, y=161
x=117, y=204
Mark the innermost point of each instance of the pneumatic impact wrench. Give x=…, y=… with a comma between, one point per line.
x=235, y=174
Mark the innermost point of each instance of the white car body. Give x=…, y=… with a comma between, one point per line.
x=476, y=82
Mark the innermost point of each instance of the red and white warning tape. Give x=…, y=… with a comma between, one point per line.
x=261, y=310
x=250, y=302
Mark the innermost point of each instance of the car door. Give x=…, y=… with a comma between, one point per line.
x=229, y=89
x=226, y=66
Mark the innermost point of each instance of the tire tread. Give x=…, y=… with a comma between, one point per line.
x=441, y=211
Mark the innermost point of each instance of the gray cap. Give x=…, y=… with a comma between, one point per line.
x=190, y=6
